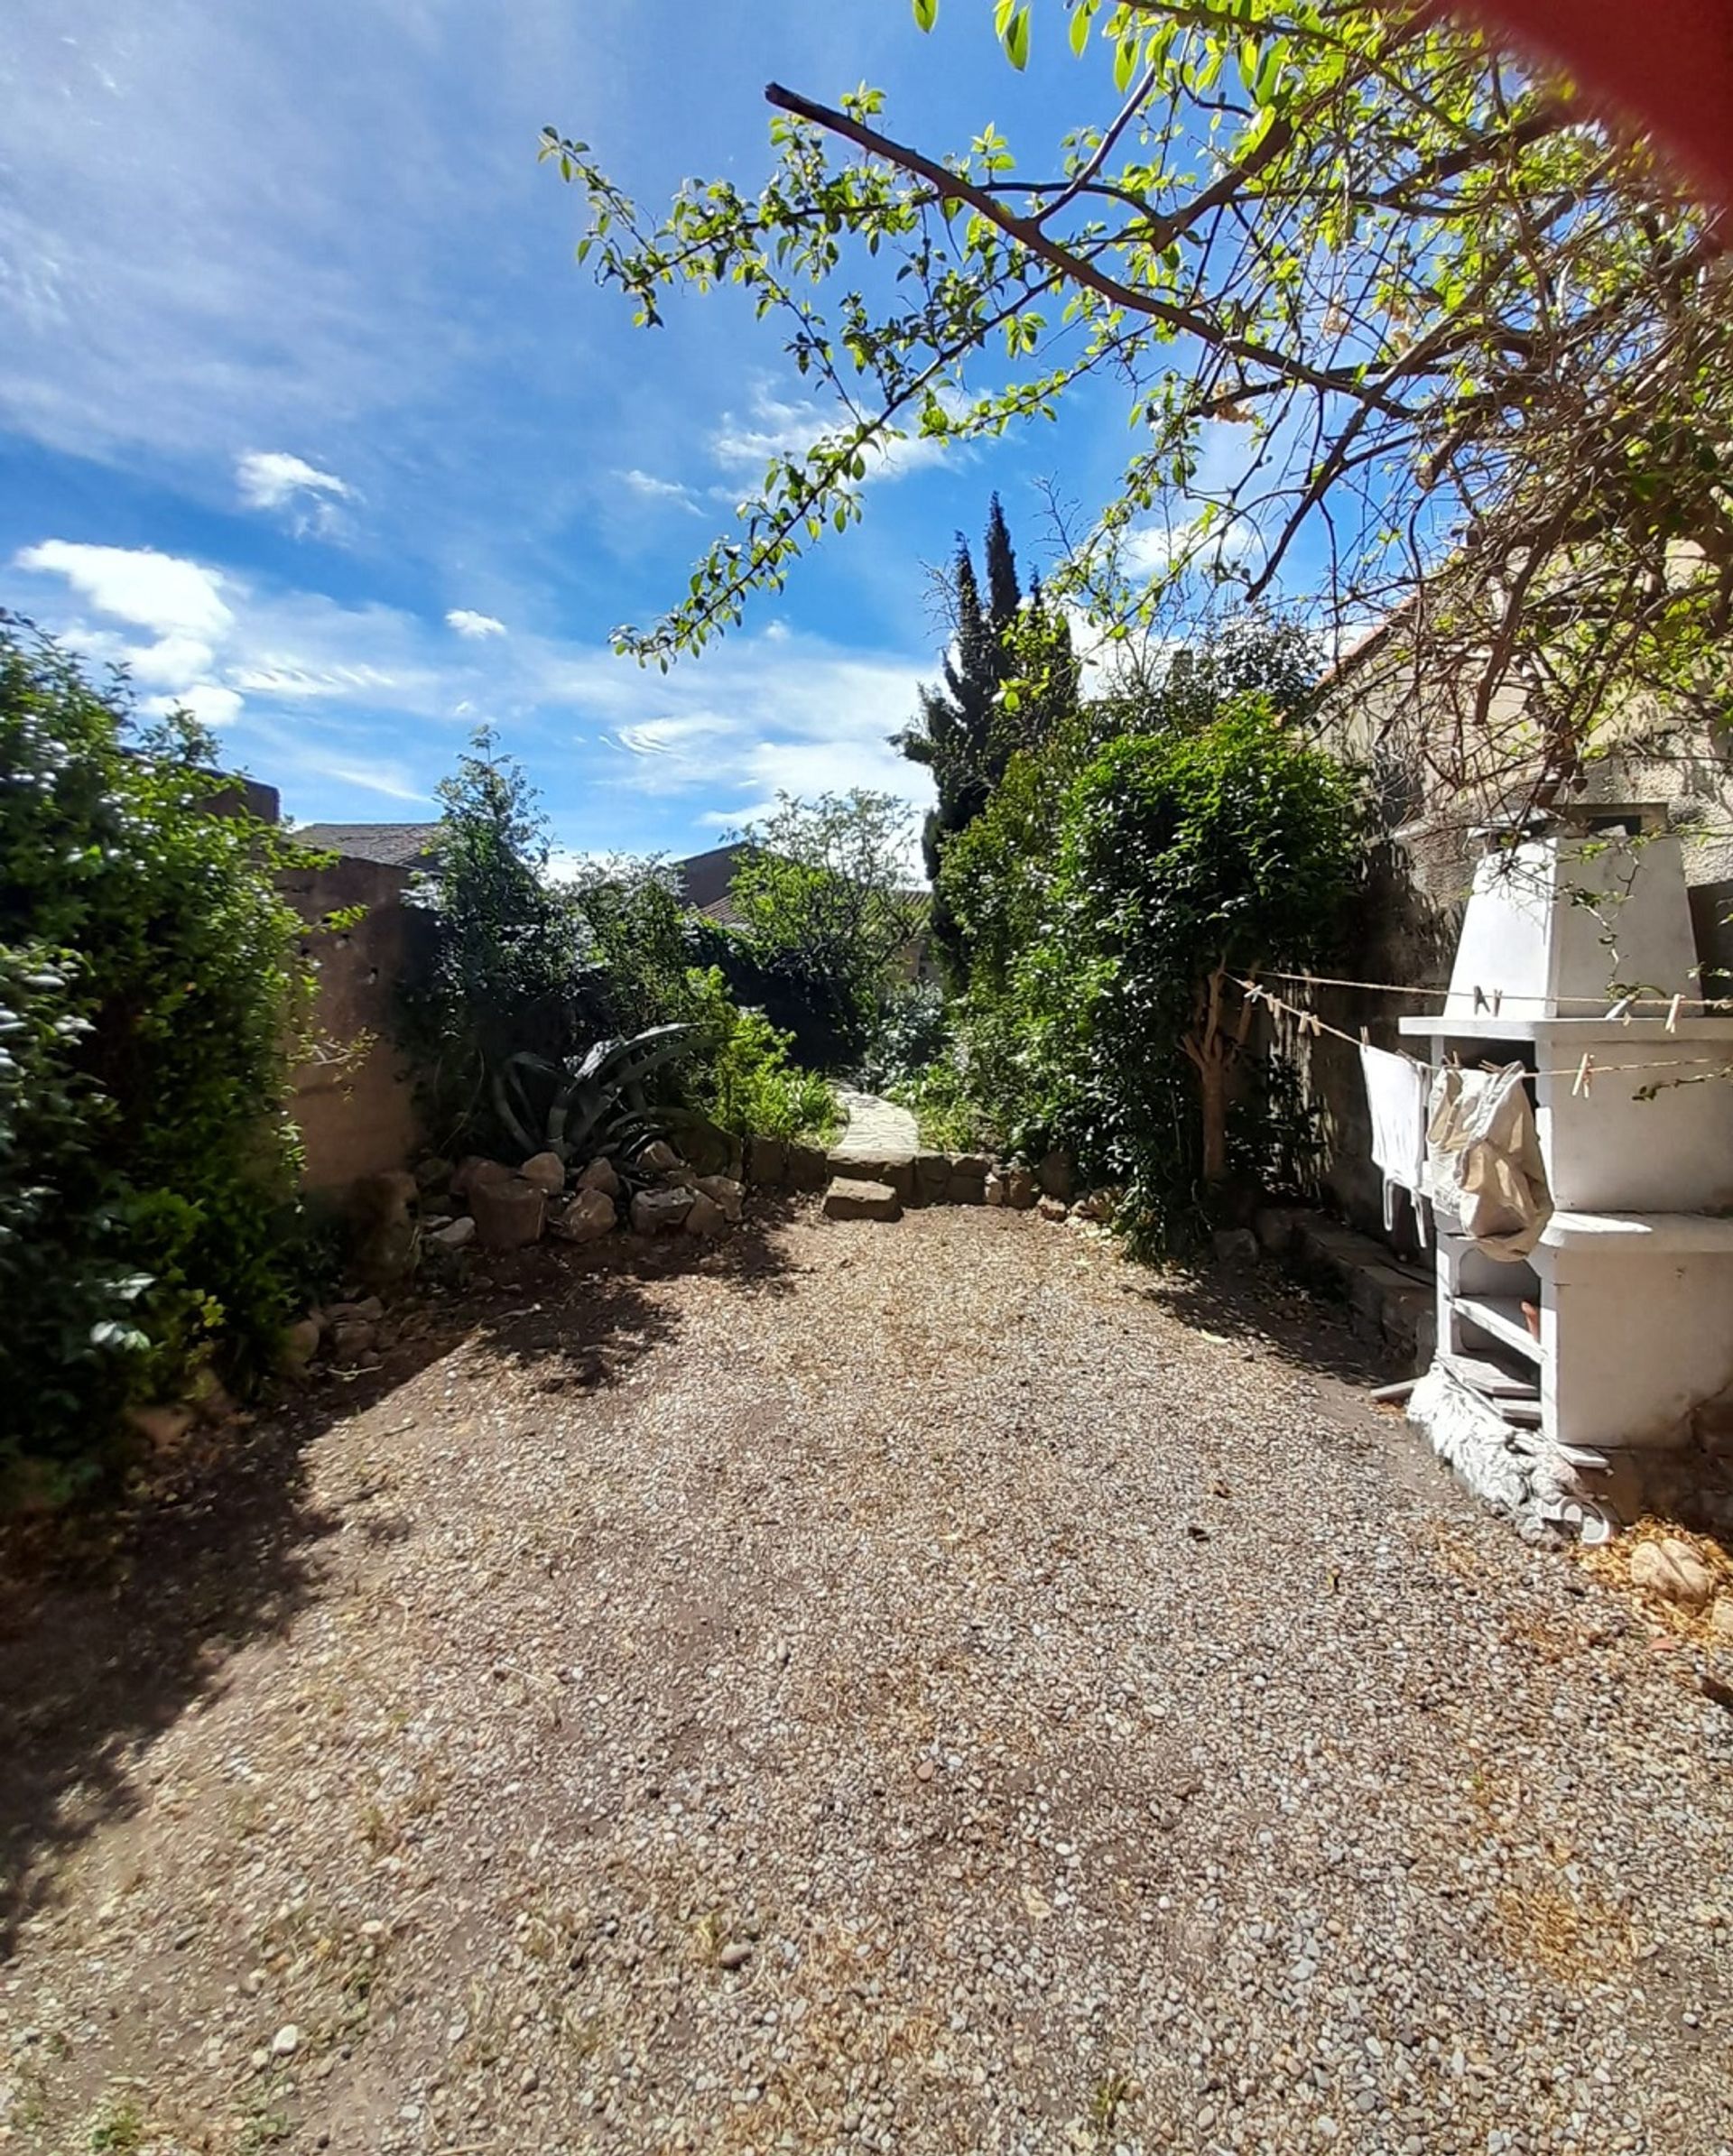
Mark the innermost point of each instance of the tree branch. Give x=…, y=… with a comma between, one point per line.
x=1077, y=269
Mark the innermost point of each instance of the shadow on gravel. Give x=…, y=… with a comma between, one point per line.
x=1271, y=1311
x=116, y=1622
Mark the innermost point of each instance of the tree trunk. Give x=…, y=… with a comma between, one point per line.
x=1211, y=1050
x=1213, y=1088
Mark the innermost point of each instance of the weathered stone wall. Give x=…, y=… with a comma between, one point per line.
x=355, y=1101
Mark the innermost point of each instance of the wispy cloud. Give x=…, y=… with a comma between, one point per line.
x=775, y=427
x=304, y=688
x=273, y=479
x=475, y=626
x=651, y=489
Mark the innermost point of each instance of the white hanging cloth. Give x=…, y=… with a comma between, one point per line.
x=1483, y=1158
x=1396, y=1095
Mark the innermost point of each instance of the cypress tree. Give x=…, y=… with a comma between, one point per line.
x=961, y=733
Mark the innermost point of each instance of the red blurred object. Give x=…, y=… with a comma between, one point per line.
x=1668, y=64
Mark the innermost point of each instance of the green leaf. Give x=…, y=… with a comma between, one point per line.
x=1082, y=22
x=1124, y=62
x=1269, y=75
x=1016, y=43
x=926, y=13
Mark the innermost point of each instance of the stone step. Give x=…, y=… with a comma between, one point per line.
x=894, y=1171
x=852, y=1199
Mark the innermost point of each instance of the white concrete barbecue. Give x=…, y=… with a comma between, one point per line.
x=1556, y=1377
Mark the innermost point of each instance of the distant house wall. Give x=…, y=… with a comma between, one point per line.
x=703, y=879
x=355, y=1102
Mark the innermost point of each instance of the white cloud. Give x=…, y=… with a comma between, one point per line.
x=467, y=623
x=659, y=490
x=775, y=428
x=308, y=689
x=276, y=676
x=161, y=592
x=1151, y=550
x=671, y=737
x=273, y=479
x=173, y=658
x=209, y=703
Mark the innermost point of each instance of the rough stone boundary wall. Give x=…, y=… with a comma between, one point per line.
x=356, y=1106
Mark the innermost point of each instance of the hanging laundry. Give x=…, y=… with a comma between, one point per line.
x=1483, y=1158
x=1396, y=1095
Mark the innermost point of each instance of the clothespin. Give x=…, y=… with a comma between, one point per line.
x=1497, y=1001
x=1479, y=999
x=1673, y=1014
x=1366, y=1037
x=1622, y=1008
x=1585, y=1080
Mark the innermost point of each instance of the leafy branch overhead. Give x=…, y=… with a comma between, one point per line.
x=1382, y=306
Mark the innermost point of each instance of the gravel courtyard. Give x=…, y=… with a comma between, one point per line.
x=920, y=1689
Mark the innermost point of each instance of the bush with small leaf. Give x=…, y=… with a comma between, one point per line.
x=743, y=1078
x=151, y=998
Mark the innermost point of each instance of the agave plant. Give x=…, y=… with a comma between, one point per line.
x=594, y=1104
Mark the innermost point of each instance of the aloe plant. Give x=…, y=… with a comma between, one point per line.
x=594, y=1104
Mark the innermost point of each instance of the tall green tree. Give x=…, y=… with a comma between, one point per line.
x=1375, y=298
x=953, y=735
x=1010, y=678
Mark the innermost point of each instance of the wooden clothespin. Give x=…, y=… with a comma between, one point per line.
x=1497, y=1001
x=1622, y=1008
x=1584, y=1079
x=1366, y=1036
x=1673, y=1014
x=1479, y=999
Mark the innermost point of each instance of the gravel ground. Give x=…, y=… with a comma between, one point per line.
x=918, y=1689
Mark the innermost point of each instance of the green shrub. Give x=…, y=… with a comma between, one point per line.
x=914, y=1030
x=745, y=1081
x=530, y=972
x=943, y=1100
x=828, y=916
x=506, y=978
x=150, y=1000
x=638, y=941
x=1107, y=918
x=1187, y=860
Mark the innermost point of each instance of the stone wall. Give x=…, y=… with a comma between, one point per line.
x=355, y=1101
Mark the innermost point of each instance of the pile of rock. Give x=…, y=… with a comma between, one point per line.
x=350, y=1335
x=493, y=1207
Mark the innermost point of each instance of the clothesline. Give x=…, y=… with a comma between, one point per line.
x=1493, y=996
x=1583, y=1072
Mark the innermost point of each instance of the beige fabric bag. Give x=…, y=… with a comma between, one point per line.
x=1483, y=1160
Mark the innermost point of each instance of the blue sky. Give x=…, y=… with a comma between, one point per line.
x=307, y=411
